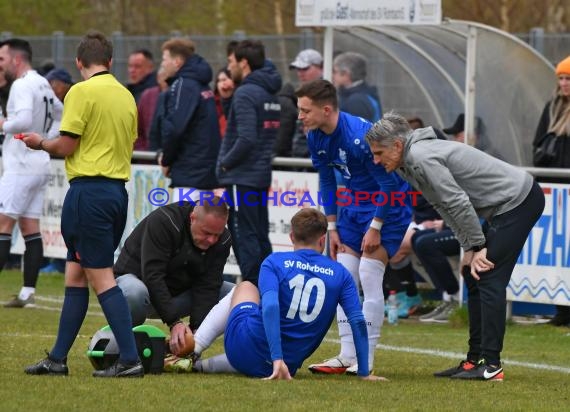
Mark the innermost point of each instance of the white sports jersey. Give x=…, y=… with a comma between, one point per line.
x=32, y=107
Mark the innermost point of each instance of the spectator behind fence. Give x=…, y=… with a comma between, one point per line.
x=60, y=81
x=223, y=91
x=291, y=138
x=555, y=119
x=32, y=107
x=172, y=265
x=141, y=72
x=463, y=183
x=367, y=232
x=479, y=139
x=146, y=108
x=355, y=95
x=97, y=133
x=244, y=162
x=190, y=134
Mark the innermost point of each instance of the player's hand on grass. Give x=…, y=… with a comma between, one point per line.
x=280, y=371
x=373, y=378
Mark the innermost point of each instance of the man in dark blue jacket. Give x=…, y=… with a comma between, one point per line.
x=190, y=134
x=244, y=162
x=355, y=95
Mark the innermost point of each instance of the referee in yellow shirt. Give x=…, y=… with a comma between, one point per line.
x=97, y=133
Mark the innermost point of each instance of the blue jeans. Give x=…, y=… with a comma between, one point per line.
x=432, y=249
x=138, y=298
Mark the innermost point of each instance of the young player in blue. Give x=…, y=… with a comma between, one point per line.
x=374, y=215
x=299, y=291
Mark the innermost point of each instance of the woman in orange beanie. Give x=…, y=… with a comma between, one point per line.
x=556, y=115
x=556, y=118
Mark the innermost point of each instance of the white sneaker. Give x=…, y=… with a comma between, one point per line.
x=439, y=308
x=335, y=365
x=443, y=316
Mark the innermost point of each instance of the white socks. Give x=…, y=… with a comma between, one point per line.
x=347, y=351
x=215, y=364
x=214, y=324
x=371, y=276
x=369, y=273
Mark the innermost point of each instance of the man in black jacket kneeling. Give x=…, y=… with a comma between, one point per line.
x=172, y=264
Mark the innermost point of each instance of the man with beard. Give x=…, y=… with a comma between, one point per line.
x=190, y=134
x=32, y=107
x=244, y=162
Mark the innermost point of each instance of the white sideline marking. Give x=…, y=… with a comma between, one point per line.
x=50, y=308
x=407, y=349
x=56, y=299
x=454, y=355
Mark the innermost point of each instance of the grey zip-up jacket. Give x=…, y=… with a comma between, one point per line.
x=462, y=183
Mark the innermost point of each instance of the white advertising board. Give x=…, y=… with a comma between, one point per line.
x=286, y=190
x=366, y=12
x=542, y=274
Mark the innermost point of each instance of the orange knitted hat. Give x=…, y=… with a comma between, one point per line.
x=563, y=67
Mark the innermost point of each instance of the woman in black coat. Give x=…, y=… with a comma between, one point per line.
x=556, y=118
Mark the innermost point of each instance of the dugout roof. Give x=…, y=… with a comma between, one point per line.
x=421, y=71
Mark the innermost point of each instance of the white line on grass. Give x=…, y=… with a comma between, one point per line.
x=430, y=352
x=453, y=355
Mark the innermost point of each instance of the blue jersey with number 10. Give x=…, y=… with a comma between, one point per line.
x=309, y=286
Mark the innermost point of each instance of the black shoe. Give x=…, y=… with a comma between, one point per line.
x=482, y=372
x=560, y=320
x=48, y=366
x=464, y=365
x=120, y=370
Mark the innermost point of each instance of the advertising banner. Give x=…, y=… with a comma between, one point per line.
x=366, y=12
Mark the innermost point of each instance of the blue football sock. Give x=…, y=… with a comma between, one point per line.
x=73, y=312
x=118, y=315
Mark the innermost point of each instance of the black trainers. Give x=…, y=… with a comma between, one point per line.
x=482, y=372
x=464, y=365
x=560, y=320
x=48, y=366
x=120, y=370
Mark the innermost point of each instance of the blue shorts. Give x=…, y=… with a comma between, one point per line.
x=245, y=345
x=93, y=219
x=352, y=225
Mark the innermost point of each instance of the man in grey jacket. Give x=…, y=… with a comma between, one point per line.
x=464, y=184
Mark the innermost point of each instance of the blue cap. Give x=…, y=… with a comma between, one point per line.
x=59, y=74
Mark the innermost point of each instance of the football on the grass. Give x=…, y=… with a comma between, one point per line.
x=188, y=347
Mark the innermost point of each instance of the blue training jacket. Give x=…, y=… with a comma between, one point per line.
x=252, y=128
x=190, y=132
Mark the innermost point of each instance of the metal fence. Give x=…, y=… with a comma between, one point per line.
x=60, y=49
